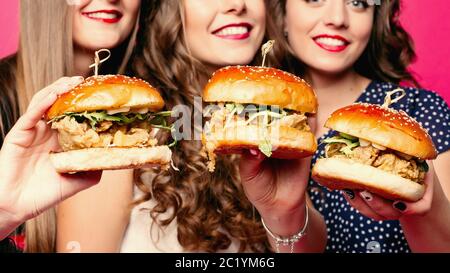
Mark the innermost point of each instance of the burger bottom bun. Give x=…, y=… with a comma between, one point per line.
x=339, y=174
x=290, y=143
x=93, y=159
x=280, y=152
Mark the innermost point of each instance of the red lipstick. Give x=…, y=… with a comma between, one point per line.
x=331, y=43
x=232, y=35
x=104, y=16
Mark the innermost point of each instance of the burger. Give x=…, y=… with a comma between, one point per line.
x=258, y=108
x=109, y=122
x=377, y=149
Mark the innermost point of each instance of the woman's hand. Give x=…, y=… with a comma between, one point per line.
x=28, y=182
x=277, y=189
x=379, y=209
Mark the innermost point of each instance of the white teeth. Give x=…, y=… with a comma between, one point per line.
x=330, y=41
x=102, y=15
x=232, y=31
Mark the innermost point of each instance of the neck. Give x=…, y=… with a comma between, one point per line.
x=345, y=86
x=82, y=60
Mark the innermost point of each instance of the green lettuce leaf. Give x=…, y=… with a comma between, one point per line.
x=423, y=166
x=266, y=147
x=267, y=113
x=349, y=144
x=96, y=117
x=157, y=120
x=349, y=137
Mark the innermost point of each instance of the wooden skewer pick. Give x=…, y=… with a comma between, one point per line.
x=266, y=48
x=388, y=99
x=98, y=61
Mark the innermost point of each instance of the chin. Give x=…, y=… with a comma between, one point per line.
x=237, y=58
x=330, y=67
x=95, y=42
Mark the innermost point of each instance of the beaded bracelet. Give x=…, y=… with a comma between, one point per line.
x=291, y=240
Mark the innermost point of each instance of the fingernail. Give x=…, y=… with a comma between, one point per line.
x=77, y=78
x=349, y=193
x=400, y=206
x=253, y=152
x=366, y=195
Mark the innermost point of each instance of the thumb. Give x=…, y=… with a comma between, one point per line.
x=43, y=100
x=250, y=165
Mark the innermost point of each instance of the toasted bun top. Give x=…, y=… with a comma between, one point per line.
x=107, y=92
x=384, y=126
x=260, y=85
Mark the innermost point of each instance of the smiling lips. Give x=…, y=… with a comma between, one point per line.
x=106, y=16
x=332, y=43
x=234, y=31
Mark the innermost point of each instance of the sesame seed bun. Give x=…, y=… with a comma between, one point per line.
x=261, y=86
x=107, y=92
x=384, y=126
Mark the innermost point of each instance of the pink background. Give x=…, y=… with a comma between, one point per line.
x=426, y=21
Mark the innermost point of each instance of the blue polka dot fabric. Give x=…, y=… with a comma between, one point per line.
x=348, y=230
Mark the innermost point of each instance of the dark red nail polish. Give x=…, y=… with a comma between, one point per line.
x=400, y=206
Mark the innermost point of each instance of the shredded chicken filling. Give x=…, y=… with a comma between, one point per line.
x=225, y=117
x=230, y=115
x=75, y=135
x=386, y=160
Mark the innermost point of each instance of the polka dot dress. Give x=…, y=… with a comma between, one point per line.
x=348, y=230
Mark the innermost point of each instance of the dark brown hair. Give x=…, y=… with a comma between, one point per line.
x=9, y=106
x=211, y=209
x=389, y=52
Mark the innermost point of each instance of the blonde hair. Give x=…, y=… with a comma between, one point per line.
x=46, y=54
x=45, y=49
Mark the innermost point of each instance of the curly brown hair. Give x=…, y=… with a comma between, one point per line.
x=388, y=54
x=211, y=209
